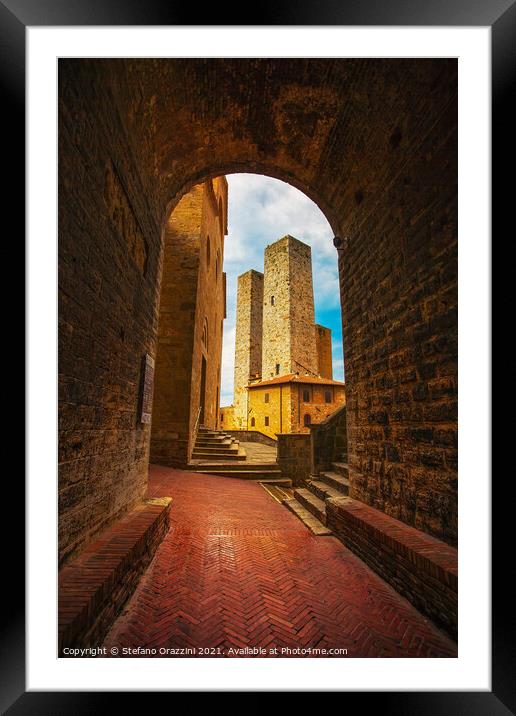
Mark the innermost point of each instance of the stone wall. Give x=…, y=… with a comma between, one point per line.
x=177, y=321
x=248, y=341
x=294, y=457
x=398, y=279
x=329, y=441
x=110, y=254
x=253, y=436
x=210, y=307
x=324, y=351
x=192, y=307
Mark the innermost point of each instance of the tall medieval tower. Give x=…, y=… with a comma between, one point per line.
x=289, y=337
x=248, y=343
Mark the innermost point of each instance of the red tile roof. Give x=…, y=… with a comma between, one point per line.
x=295, y=378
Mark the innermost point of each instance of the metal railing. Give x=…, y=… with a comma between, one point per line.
x=196, y=426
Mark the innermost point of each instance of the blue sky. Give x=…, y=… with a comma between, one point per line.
x=262, y=210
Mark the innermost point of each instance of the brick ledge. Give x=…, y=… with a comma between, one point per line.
x=419, y=566
x=94, y=587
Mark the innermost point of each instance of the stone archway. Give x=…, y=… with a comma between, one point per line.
x=373, y=143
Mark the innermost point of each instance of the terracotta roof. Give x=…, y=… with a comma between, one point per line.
x=295, y=378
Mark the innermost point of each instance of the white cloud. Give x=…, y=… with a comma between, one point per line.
x=262, y=210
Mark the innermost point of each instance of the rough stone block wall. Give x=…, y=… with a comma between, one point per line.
x=329, y=440
x=108, y=281
x=248, y=341
x=324, y=351
x=398, y=278
x=294, y=457
x=288, y=309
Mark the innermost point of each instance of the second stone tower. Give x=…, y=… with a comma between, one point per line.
x=289, y=340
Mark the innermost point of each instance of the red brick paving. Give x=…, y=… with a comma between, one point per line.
x=238, y=570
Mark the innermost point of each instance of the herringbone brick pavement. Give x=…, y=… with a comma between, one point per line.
x=237, y=570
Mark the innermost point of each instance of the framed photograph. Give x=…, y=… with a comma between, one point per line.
x=258, y=264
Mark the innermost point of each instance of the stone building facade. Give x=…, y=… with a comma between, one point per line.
x=291, y=403
x=283, y=360
x=192, y=310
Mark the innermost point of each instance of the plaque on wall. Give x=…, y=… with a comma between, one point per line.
x=147, y=384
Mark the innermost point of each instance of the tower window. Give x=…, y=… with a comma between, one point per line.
x=272, y=300
x=266, y=420
x=266, y=397
x=306, y=420
x=222, y=417
x=277, y=368
x=253, y=422
x=205, y=333
x=306, y=396
x=327, y=396
x=208, y=251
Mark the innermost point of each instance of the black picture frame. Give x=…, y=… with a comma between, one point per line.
x=500, y=15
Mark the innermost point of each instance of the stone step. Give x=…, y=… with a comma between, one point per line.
x=312, y=503
x=341, y=467
x=216, y=441
x=322, y=490
x=218, y=448
x=337, y=481
x=212, y=433
x=242, y=474
x=203, y=454
x=222, y=465
x=307, y=518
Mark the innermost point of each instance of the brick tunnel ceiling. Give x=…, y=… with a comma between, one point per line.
x=334, y=129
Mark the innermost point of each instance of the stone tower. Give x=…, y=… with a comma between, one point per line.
x=324, y=357
x=289, y=339
x=248, y=342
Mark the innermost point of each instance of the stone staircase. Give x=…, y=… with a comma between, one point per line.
x=309, y=503
x=217, y=453
x=215, y=445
